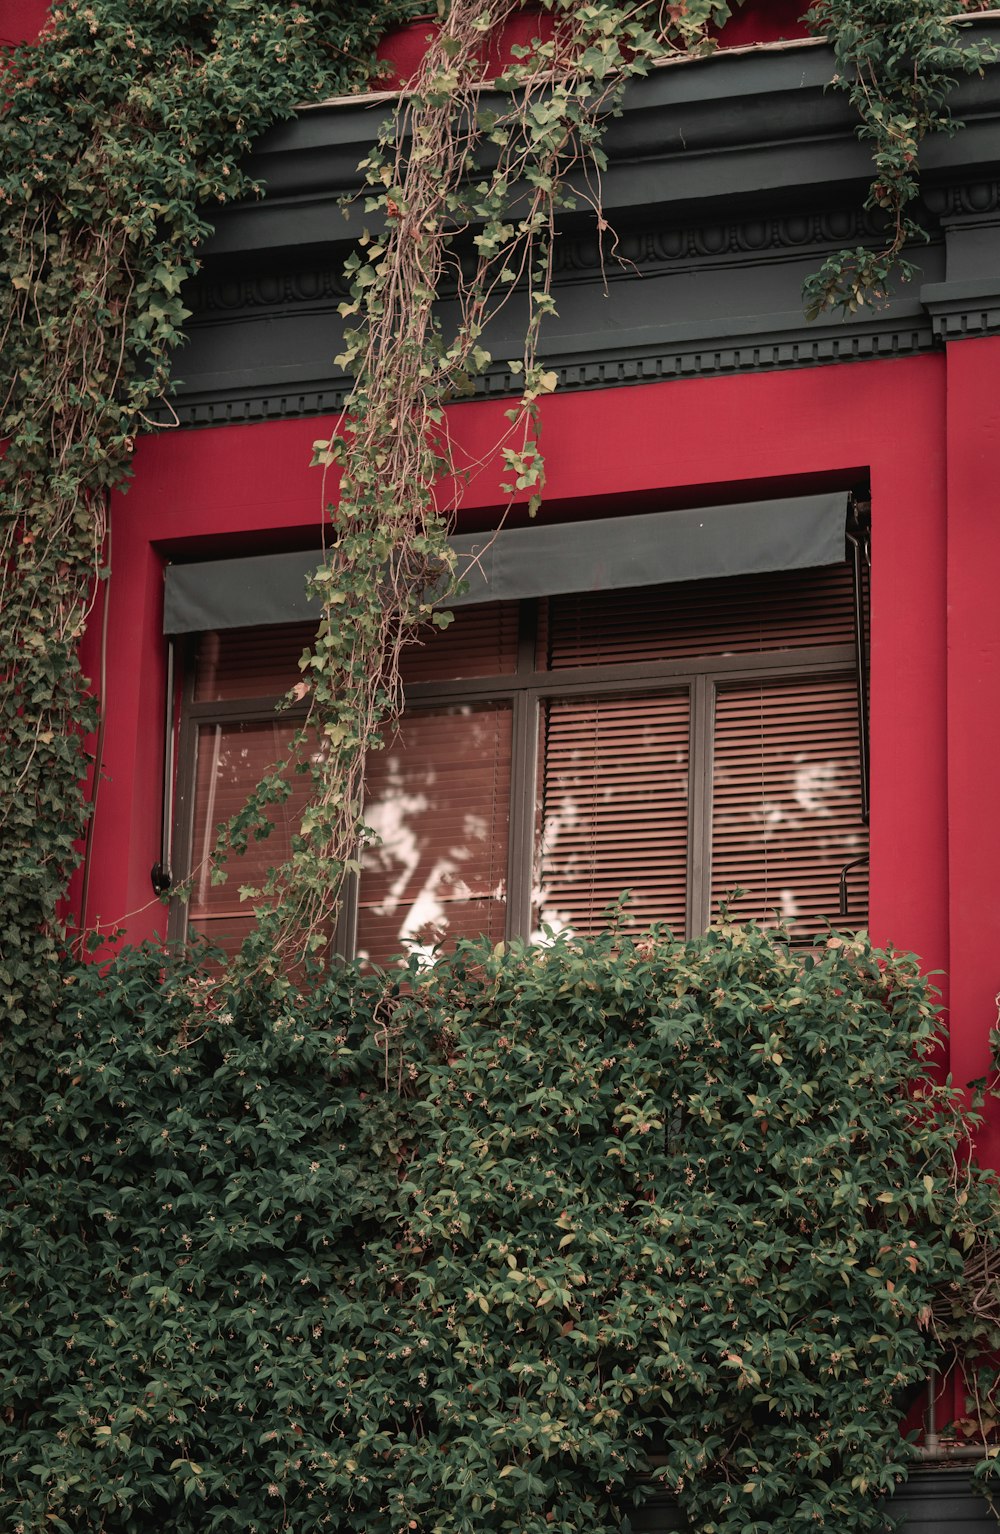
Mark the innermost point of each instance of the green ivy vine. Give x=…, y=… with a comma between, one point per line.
x=123, y=129
x=898, y=63
x=493, y=1248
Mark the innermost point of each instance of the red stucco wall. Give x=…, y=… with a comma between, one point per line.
x=927, y=429
x=973, y=708
x=21, y=20
x=753, y=21
x=214, y=491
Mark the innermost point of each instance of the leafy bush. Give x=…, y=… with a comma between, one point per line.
x=469, y=1248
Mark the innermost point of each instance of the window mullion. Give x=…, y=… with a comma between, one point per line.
x=527, y=638
x=523, y=774
x=523, y=779
x=700, y=806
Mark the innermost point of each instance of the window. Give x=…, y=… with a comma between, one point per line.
x=677, y=741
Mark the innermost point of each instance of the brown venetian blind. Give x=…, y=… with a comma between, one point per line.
x=438, y=797
x=232, y=758
x=250, y=663
x=614, y=811
x=612, y=799
x=786, y=806
x=264, y=662
x=786, y=609
x=480, y=641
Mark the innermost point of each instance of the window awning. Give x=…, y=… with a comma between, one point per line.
x=794, y=533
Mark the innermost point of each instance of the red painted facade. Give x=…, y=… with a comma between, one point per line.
x=402, y=49
x=972, y=690
x=21, y=21
x=926, y=428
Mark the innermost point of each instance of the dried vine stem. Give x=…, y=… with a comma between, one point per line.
x=466, y=190
x=118, y=127
x=122, y=125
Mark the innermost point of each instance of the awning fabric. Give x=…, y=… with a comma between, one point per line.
x=239, y=593
x=794, y=533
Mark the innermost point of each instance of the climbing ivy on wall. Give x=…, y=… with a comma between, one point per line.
x=899, y=63
x=123, y=128
x=484, y=1248
x=143, y=1101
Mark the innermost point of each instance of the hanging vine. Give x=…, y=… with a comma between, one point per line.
x=124, y=128
x=898, y=63
x=125, y=125
x=464, y=196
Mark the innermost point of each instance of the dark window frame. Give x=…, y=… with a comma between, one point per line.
x=527, y=689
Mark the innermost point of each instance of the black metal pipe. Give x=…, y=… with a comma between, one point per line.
x=161, y=875
x=854, y=863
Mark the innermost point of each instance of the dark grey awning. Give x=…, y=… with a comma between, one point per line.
x=239, y=593
x=796, y=533
x=793, y=534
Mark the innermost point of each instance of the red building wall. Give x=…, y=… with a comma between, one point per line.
x=924, y=428
x=973, y=707
x=21, y=21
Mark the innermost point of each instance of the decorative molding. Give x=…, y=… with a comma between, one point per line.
x=963, y=323
x=764, y=352
x=722, y=213
x=205, y=295
x=970, y=306
x=576, y=254
x=957, y=319
x=966, y=199
x=751, y=237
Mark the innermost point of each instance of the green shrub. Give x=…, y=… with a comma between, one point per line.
x=462, y=1249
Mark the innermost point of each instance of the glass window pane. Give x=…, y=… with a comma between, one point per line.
x=786, y=802
x=438, y=797
x=232, y=759
x=614, y=811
